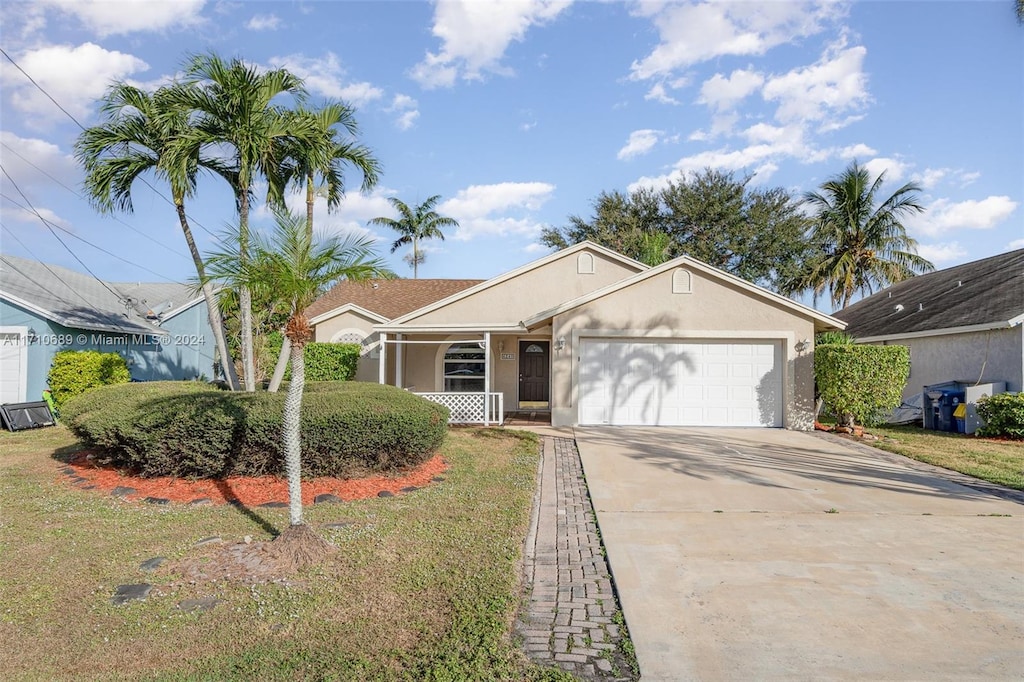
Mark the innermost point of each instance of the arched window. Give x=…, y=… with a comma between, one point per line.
x=682, y=282
x=464, y=365
x=585, y=264
x=353, y=335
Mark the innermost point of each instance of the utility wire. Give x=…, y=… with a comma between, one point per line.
x=115, y=218
x=120, y=297
x=48, y=268
x=83, y=239
x=77, y=123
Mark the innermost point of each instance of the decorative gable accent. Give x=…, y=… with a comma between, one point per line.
x=585, y=264
x=682, y=281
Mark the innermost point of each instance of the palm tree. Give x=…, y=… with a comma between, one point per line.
x=415, y=225
x=302, y=160
x=860, y=244
x=135, y=139
x=296, y=269
x=232, y=101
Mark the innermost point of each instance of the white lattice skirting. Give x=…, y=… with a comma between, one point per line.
x=468, y=408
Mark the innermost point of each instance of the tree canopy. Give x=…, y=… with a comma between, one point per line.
x=755, y=233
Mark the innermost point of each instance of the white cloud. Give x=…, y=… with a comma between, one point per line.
x=326, y=76
x=968, y=178
x=944, y=215
x=74, y=76
x=941, y=253
x=535, y=247
x=831, y=86
x=264, y=22
x=24, y=215
x=930, y=177
x=894, y=169
x=475, y=35
x=719, y=92
x=855, y=151
x=498, y=209
x=30, y=160
x=405, y=107
x=355, y=210
x=640, y=142
x=127, y=16
x=658, y=94
x=693, y=33
x=1015, y=244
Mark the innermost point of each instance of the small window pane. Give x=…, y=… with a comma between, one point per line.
x=534, y=348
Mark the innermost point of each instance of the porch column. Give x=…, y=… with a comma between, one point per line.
x=383, y=369
x=487, y=378
x=399, y=374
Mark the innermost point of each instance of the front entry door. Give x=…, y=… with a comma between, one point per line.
x=534, y=377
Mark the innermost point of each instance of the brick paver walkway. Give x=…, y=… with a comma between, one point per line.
x=568, y=619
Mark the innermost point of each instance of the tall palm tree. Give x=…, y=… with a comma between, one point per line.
x=135, y=139
x=296, y=269
x=860, y=244
x=415, y=225
x=323, y=155
x=232, y=101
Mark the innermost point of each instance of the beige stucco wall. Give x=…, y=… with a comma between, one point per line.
x=996, y=355
x=714, y=309
x=327, y=330
x=531, y=292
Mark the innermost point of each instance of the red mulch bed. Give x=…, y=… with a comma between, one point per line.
x=249, y=490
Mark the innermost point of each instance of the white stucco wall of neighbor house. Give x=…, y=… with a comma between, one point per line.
x=974, y=357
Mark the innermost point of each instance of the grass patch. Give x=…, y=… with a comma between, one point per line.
x=424, y=586
x=996, y=461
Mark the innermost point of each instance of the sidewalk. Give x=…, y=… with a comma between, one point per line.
x=568, y=619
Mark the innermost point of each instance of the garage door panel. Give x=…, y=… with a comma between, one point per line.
x=680, y=383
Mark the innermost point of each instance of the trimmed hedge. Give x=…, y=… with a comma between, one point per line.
x=861, y=381
x=186, y=429
x=74, y=372
x=1003, y=414
x=324, y=361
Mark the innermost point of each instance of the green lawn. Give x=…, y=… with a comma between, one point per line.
x=424, y=586
x=998, y=461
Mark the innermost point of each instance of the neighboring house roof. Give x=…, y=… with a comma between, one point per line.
x=822, y=321
x=387, y=298
x=983, y=294
x=81, y=301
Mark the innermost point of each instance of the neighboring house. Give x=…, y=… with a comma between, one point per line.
x=593, y=337
x=962, y=324
x=161, y=330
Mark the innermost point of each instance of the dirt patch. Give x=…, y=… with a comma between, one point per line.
x=250, y=491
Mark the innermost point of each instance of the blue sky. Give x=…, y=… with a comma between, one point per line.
x=519, y=113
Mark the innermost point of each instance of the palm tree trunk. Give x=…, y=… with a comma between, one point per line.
x=244, y=295
x=281, y=366
x=212, y=309
x=415, y=258
x=292, y=441
x=309, y=205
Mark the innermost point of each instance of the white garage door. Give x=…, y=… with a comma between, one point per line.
x=12, y=367
x=676, y=383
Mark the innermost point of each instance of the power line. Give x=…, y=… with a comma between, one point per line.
x=55, y=275
x=77, y=123
x=119, y=296
x=115, y=218
x=83, y=239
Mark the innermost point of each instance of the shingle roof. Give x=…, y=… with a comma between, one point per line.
x=987, y=291
x=389, y=298
x=80, y=301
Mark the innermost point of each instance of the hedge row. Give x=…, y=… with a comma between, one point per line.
x=861, y=381
x=324, y=361
x=73, y=372
x=187, y=429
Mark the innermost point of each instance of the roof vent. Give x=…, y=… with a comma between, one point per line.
x=899, y=307
x=375, y=285
x=959, y=283
x=890, y=295
x=920, y=307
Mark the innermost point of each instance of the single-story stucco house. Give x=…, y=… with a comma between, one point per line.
x=593, y=337
x=162, y=329
x=964, y=324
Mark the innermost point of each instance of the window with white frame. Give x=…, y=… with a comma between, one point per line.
x=464, y=366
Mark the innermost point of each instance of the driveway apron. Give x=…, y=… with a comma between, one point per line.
x=744, y=554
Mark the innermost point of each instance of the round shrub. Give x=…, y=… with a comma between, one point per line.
x=73, y=372
x=1003, y=414
x=190, y=430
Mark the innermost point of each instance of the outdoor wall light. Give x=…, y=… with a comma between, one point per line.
x=801, y=346
x=560, y=343
x=501, y=346
x=32, y=335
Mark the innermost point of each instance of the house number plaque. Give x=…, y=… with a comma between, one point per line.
x=508, y=356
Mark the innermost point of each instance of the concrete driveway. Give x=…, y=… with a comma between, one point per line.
x=730, y=565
